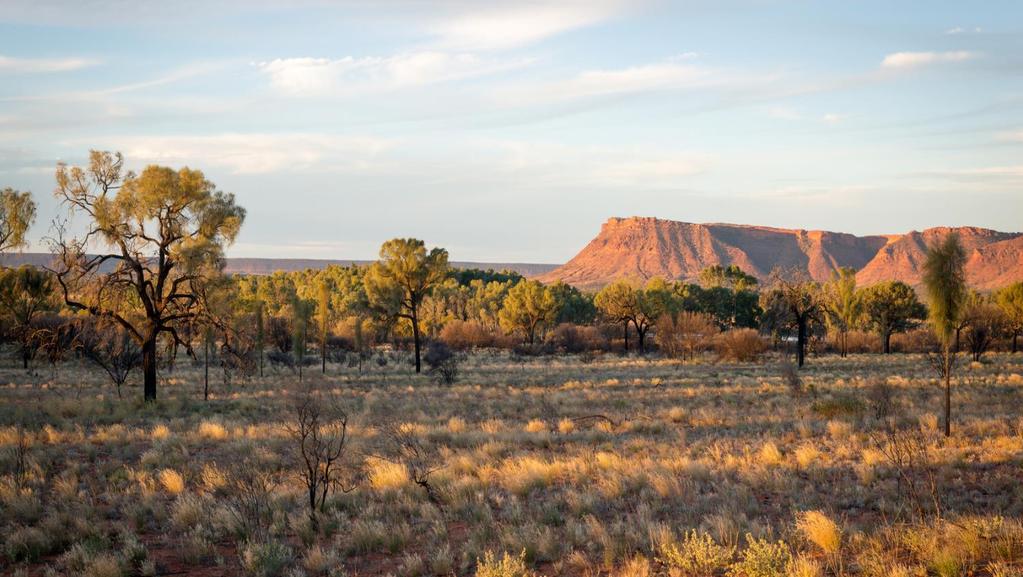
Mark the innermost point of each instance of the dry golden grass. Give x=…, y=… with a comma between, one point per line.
x=552, y=466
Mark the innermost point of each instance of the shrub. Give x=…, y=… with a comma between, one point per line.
x=172, y=481
x=820, y=530
x=442, y=361
x=464, y=335
x=506, y=566
x=839, y=406
x=685, y=334
x=741, y=345
x=697, y=555
x=265, y=559
x=762, y=558
x=25, y=544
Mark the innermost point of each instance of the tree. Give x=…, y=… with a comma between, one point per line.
x=25, y=293
x=795, y=301
x=111, y=347
x=323, y=312
x=165, y=231
x=17, y=214
x=302, y=312
x=984, y=322
x=843, y=305
x=945, y=281
x=529, y=308
x=732, y=277
x=617, y=303
x=319, y=429
x=891, y=307
x=574, y=306
x=404, y=275
x=1010, y=300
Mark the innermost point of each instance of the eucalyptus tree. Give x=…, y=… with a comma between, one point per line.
x=17, y=214
x=149, y=246
x=405, y=274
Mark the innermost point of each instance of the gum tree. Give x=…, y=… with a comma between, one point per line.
x=148, y=247
x=397, y=284
x=17, y=214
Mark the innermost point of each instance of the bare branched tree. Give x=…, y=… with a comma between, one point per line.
x=319, y=429
x=419, y=458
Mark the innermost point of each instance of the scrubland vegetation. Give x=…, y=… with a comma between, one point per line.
x=569, y=464
x=410, y=419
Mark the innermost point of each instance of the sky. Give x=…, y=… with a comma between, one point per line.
x=508, y=131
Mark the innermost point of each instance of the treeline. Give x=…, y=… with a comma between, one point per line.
x=143, y=281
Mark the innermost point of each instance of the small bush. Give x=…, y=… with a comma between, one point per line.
x=25, y=544
x=465, y=335
x=506, y=566
x=172, y=481
x=697, y=555
x=265, y=559
x=839, y=406
x=762, y=558
x=442, y=361
x=740, y=345
x=820, y=530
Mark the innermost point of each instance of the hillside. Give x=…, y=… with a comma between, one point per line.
x=642, y=248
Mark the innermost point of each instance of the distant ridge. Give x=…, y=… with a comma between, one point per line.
x=264, y=266
x=644, y=247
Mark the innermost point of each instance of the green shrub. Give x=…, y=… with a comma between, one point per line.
x=697, y=555
x=265, y=559
x=839, y=406
x=26, y=544
x=507, y=566
x=762, y=558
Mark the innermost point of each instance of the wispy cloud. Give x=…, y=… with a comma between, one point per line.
x=675, y=73
x=497, y=26
x=323, y=76
x=548, y=164
x=43, y=65
x=960, y=30
x=916, y=59
x=246, y=153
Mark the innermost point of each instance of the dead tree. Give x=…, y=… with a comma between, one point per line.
x=319, y=429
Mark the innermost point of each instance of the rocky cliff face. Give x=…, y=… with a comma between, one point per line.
x=642, y=248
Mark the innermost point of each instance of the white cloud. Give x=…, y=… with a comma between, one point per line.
x=257, y=153
x=833, y=118
x=323, y=76
x=674, y=73
x=498, y=27
x=960, y=30
x=41, y=65
x=916, y=59
x=546, y=164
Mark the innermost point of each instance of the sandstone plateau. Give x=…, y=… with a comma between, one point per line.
x=642, y=248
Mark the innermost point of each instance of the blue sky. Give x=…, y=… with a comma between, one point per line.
x=509, y=131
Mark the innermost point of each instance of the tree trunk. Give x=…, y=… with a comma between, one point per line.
x=149, y=366
x=887, y=338
x=626, y=336
x=801, y=343
x=948, y=395
x=415, y=339
x=1014, y=335
x=206, y=367
x=641, y=333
